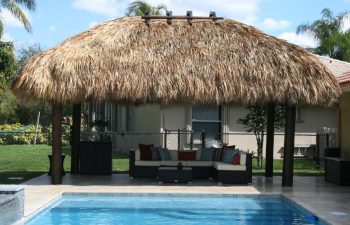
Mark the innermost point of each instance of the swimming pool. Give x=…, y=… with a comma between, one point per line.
x=174, y=209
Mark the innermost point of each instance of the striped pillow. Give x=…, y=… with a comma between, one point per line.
x=207, y=154
x=229, y=154
x=164, y=154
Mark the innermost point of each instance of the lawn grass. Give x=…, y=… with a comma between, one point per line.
x=29, y=161
x=302, y=167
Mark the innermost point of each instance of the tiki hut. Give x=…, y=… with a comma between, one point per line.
x=186, y=60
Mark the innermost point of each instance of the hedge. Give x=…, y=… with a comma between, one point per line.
x=17, y=133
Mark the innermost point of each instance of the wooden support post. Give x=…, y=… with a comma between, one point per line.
x=270, y=133
x=289, y=135
x=56, y=144
x=76, y=139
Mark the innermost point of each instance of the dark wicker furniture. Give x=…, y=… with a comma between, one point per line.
x=337, y=170
x=198, y=172
x=95, y=158
x=174, y=175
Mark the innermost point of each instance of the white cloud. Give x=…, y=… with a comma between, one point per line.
x=346, y=24
x=93, y=23
x=105, y=7
x=52, y=28
x=241, y=10
x=273, y=24
x=7, y=37
x=302, y=40
x=9, y=20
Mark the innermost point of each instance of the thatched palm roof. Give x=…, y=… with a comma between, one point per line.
x=206, y=62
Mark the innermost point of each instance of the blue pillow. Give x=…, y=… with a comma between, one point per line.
x=164, y=154
x=155, y=153
x=207, y=154
x=229, y=154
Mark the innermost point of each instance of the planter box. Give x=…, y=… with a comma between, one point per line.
x=95, y=158
x=337, y=170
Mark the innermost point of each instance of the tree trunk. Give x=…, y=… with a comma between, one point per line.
x=260, y=144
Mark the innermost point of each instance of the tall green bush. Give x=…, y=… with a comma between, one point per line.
x=65, y=134
x=20, y=134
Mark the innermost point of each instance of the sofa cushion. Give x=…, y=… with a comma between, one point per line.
x=243, y=160
x=137, y=154
x=172, y=163
x=228, y=167
x=186, y=155
x=218, y=154
x=173, y=155
x=199, y=163
x=147, y=163
x=198, y=154
x=236, y=159
x=207, y=154
x=155, y=153
x=145, y=150
x=164, y=154
x=228, y=155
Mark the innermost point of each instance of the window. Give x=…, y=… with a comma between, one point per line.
x=207, y=118
x=298, y=118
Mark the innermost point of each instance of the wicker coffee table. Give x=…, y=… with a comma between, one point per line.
x=175, y=175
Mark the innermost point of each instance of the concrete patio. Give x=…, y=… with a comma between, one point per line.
x=328, y=201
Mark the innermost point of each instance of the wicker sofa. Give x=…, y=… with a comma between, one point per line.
x=223, y=172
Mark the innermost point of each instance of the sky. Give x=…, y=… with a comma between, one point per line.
x=56, y=20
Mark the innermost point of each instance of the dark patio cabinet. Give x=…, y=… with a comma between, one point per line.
x=337, y=170
x=95, y=158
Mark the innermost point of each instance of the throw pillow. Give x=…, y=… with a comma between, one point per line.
x=187, y=155
x=146, y=152
x=155, y=153
x=164, y=154
x=230, y=146
x=229, y=154
x=207, y=154
x=218, y=154
x=236, y=159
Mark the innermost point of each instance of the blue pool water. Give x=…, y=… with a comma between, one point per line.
x=173, y=209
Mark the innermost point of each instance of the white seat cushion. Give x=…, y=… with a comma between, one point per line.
x=173, y=155
x=228, y=167
x=199, y=163
x=147, y=163
x=243, y=159
x=137, y=154
x=198, y=154
x=172, y=163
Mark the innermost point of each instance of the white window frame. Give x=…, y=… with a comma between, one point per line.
x=220, y=121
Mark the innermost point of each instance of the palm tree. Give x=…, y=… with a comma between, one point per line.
x=333, y=41
x=14, y=7
x=140, y=8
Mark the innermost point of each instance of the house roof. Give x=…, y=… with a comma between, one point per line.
x=344, y=79
x=336, y=67
x=206, y=61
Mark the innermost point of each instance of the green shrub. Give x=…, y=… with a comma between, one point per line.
x=19, y=134
x=65, y=134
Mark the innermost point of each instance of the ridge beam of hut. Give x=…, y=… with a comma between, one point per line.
x=189, y=17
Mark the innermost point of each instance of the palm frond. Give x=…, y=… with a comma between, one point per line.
x=29, y=4
x=17, y=12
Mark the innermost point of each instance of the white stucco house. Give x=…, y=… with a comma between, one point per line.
x=131, y=124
